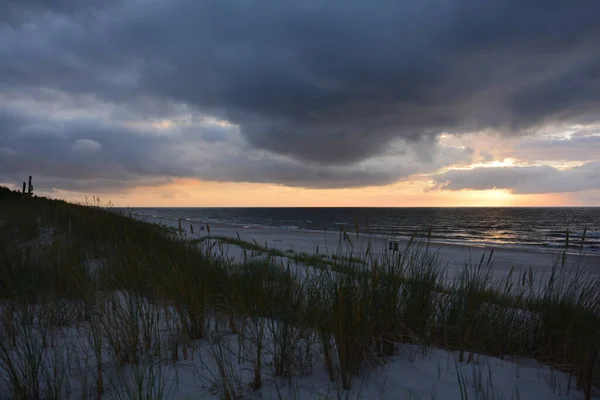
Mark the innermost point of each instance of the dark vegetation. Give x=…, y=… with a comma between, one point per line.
x=59, y=260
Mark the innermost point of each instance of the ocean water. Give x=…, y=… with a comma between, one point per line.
x=542, y=228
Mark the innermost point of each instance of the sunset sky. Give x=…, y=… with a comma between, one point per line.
x=302, y=103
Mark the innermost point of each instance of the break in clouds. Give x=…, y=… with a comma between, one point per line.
x=113, y=94
x=523, y=180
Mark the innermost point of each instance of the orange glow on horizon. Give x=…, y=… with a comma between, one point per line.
x=194, y=193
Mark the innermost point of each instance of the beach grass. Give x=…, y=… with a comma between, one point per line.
x=134, y=296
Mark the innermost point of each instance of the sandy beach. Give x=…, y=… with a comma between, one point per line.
x=454, y=256
x=230, y=311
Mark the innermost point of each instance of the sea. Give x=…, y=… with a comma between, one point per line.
x=539, y=228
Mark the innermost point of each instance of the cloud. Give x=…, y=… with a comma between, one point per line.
x=116, y=150
x=17, y=12
x=323, y=92
x=86, y=146
x=523, y=179
x=580, y=146
x=8, y=152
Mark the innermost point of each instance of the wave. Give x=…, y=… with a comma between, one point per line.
x=542, y=229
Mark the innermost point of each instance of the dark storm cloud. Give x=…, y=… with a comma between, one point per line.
x=575, y=93
x=522, y=180
x=324, y=86
x=23, y=11
x=118, y=152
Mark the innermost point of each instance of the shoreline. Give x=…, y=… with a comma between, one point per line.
x=454, y=255
x=552, y=248
x=403, y=238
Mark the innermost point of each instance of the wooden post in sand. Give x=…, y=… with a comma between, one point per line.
x=24, y=183
x=30, y=188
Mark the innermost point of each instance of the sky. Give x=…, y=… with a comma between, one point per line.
x=302, y=103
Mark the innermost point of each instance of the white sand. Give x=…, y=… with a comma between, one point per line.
x=69, y=365
x=416, y=373
x=453, y=255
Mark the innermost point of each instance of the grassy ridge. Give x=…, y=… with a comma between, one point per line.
x=61, y=265
x=315, y=260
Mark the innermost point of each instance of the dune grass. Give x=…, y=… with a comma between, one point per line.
x=317, y=260
x=135, y=296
